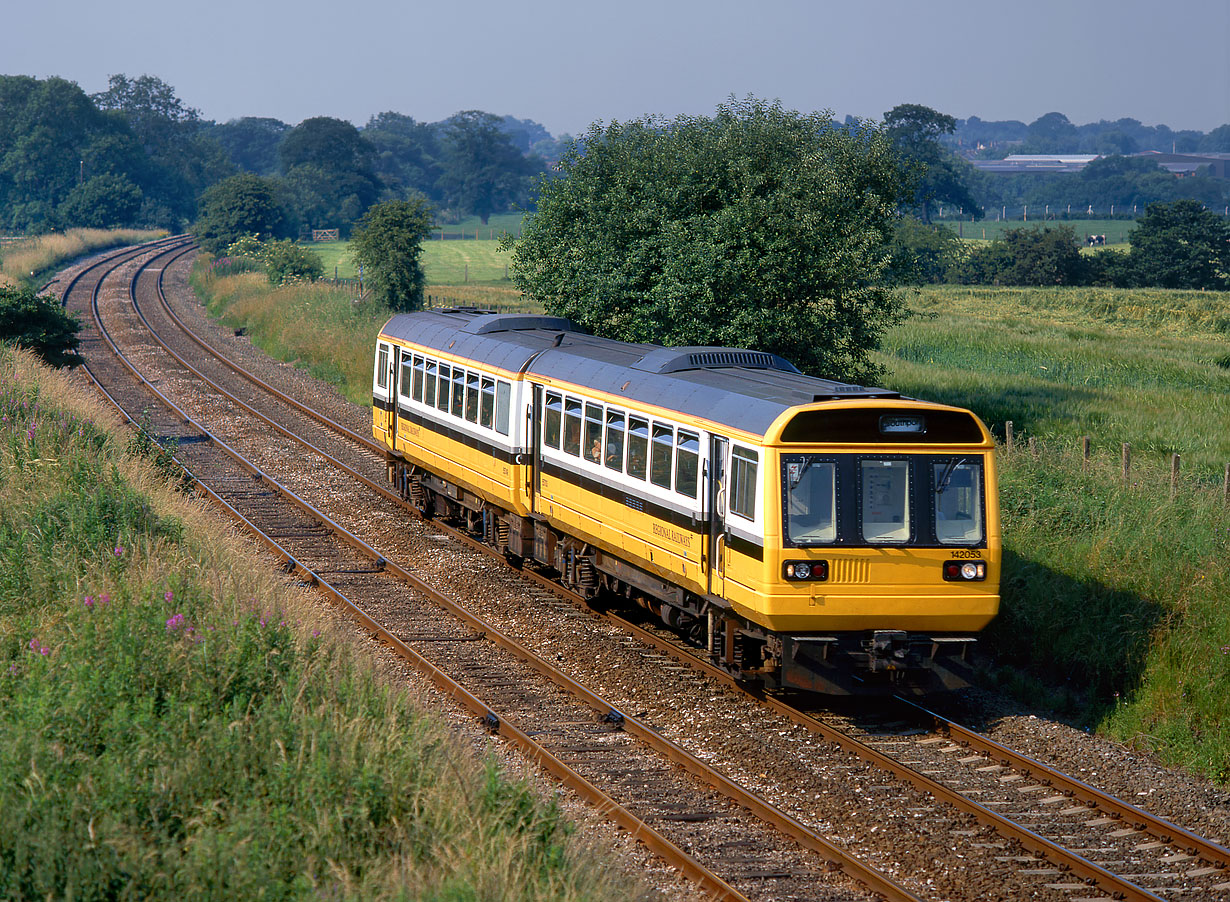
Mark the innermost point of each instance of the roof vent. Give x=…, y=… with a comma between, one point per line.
x=674, y=360
x=486, y=323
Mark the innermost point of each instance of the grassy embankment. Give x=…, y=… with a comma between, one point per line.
x=176, y=722
x=1113, y=597
x=29, y=262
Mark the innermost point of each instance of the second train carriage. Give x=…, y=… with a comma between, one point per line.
x=812, y=534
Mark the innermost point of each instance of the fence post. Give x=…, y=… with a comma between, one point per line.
x=1085, y=452
x=1174, y=475
x=1127, y=462
x=1008, y=436
x=1033, y=446
x=1226, y=489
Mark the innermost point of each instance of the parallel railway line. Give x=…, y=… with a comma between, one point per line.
x=1116, y=861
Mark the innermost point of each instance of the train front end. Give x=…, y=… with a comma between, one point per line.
x=882, y=547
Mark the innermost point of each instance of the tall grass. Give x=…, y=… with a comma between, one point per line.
x=25, y=262
x=174, y=722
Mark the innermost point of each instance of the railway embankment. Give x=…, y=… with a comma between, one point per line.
x=176, y=720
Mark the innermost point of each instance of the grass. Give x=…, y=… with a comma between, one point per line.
x=444, y=262
x=30, y=261
x=1117, y=231
x=176, y=722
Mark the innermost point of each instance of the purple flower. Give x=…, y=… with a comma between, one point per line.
x=169, y=596
x=103, y=599
x=33, y=645
x=119, y=550
x=89, y=601
x=44, y=650
x=175, y=623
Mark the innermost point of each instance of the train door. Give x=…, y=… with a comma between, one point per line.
x=716, y=509
x=394, y=394
x=535, y=436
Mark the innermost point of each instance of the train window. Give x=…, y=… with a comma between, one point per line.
x=503, y=401
x=406, y=377
x=382, y=366
x=687, y=458
x=446, y=376
x=638, y=447
x=885, y=500
x=811, y=500
x=552, y=420
x=418, y=378
x=487, y=411
x=472, y=397
x=660, y=456
x=613, y=450
x=743, y=462
x=459, y=391
x=429, y=386
x=958, y=502
x=572, y=426
x=593, y=433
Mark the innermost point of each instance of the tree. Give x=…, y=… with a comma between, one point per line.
x=329, y=174
x=759, y=227
x=1026, y=256
x=103, y=202
x=484, y=172
x=252, y=142
x=39, y=323
x=241, y=205
x=407, y=153
x=939, y=175
x=387, y=243
x=1181, y=245
x=286, y=262
x=922, y=253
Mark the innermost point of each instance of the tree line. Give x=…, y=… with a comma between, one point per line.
x=137, y=155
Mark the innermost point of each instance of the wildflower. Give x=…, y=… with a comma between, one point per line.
x=175, y=622
x=44, y=650
x=169, y=596
x=89, y=601
x=33, y=644
x=103, y=599
x=119, y=550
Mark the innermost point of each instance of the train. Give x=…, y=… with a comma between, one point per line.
x=809, y=535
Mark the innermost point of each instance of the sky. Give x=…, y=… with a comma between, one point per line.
x=569, y=64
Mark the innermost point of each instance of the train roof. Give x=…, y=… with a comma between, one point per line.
x=742, y=389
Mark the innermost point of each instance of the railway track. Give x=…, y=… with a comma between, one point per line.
x=1137, y=865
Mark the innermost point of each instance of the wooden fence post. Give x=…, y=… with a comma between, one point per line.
x=1127, y=462
x=1174, y=475
x=1033, y=446
x=1008, y=436
x=1085, y=452
x=1226, y=490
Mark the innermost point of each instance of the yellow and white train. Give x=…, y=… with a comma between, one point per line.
x=812, y=534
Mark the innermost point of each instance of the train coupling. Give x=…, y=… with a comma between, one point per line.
x=889, y=650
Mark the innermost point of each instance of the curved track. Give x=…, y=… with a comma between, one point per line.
x=1090, y=840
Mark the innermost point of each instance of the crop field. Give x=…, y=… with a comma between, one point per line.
x=1117, y=231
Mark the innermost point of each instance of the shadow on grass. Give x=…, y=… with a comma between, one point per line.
x=1067, y=646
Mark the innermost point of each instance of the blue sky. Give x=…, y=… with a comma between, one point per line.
x=566, y=65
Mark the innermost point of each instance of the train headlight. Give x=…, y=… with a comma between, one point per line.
x=806, y=570
x=960, y=571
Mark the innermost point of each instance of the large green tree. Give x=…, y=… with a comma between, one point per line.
x=241, y=205
x=758, y=227
x=483, y=171
x=387, y=243
x=329, y=173
x=1181, y=245
x=938, y=175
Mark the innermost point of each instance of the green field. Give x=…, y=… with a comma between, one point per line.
x=1117, y=231
x=451, y=262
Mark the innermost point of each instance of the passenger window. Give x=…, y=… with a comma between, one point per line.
x=552, y=420
x=406, y=377
x=429, y=387
x=445, y=381
x=459, y=391
x=687, y=463
x=382, y=366
x=488, y=409
x=472, y=397
x=418, y=378
x=572, y=426
x=593, y=433
x=638, y=447
x=886, y=500
x=743, y=463
x=503, y=401
x=660, y=456
x=613, y=450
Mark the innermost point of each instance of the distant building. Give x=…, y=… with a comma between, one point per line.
x=1037, y=163
x=1040, y=163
